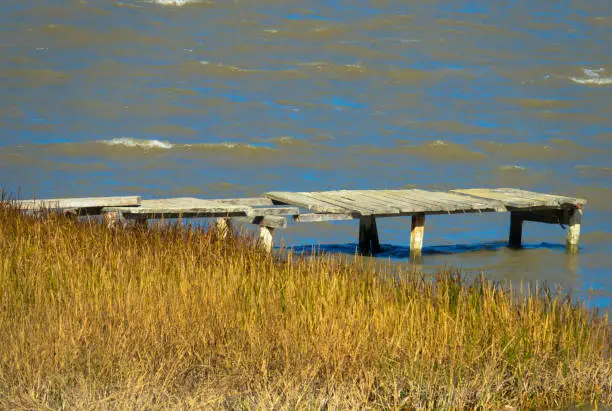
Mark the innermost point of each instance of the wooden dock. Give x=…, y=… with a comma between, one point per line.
x=275, y=209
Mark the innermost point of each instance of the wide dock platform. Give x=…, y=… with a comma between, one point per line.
x=274, y=209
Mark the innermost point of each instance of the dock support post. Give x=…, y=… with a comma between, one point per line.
x=417, y=232
x=222, y=227
x=368, y=236
x=114, y=219
x=516, y=230
x=573, y=232
x=266, y=238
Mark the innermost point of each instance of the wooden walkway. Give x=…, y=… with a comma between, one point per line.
x=274, y=209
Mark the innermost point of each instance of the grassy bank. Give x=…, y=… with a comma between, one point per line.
x=91, y=317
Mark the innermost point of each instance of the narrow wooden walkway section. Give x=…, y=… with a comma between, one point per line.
x=367, y=205
x=273, y=209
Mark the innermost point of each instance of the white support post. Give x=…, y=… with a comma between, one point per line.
x=266, y=238
x=417, y=233
x=114, y=219
x=573, y=232
x=222, y=227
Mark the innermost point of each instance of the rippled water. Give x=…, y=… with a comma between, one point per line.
x=229, y=98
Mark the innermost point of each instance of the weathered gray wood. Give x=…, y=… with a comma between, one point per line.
x=279, y=210
x=368, y=236
x=114, y=219
x=267, y=221
x=355, y=199
x=347, y=204
x=307, y=202
x=461, y=202
x=417, y=233
x=386, y=202
x=521, y=199
x=314, y=217
x=516, y=230
x=181, y=207
x=77, y=203
x=222, y=227
x=248, y=201
x=408, y=197
x=573, y=232
x=266, y=238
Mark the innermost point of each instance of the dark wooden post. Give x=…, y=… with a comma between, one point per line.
x=516, y=230
x=368, y=236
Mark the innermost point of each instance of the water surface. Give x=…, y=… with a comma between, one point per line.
x=232, y=98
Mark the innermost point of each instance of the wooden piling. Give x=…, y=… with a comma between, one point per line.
x=368, y=236
x=114, y=219
x=516, y=230
x=417, y=232
x=573, y=232
x=222, y=227
x=266, y=238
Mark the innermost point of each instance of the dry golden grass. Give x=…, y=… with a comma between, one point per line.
x=177, y=318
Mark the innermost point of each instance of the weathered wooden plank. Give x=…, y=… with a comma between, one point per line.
x=461, y=202
x=181, y=207
x=271, y=221
x=429, y=203
x=508, y=201
x=278, y=210
x=515, y=198
x=77, y=203
x=404, y=200
x=378, y=197
x=424, y=204
x=315, y=217
x=546, y=200
x=387, y=202
x=247, y=201
x=351, y=204
x=357, y=197
x=300, y=199
x=443, y=202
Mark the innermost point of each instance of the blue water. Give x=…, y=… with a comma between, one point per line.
x=224, y=99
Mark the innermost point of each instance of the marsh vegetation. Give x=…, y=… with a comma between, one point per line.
x=176, y=317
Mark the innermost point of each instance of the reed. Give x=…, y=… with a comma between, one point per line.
x=176, y=317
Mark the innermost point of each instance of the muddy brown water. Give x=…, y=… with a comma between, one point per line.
x=229, y=98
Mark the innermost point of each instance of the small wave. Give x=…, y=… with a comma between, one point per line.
x=178, y=3
x=166, y=145
x=593, y=77
x=133, y=142
x=512, y=167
